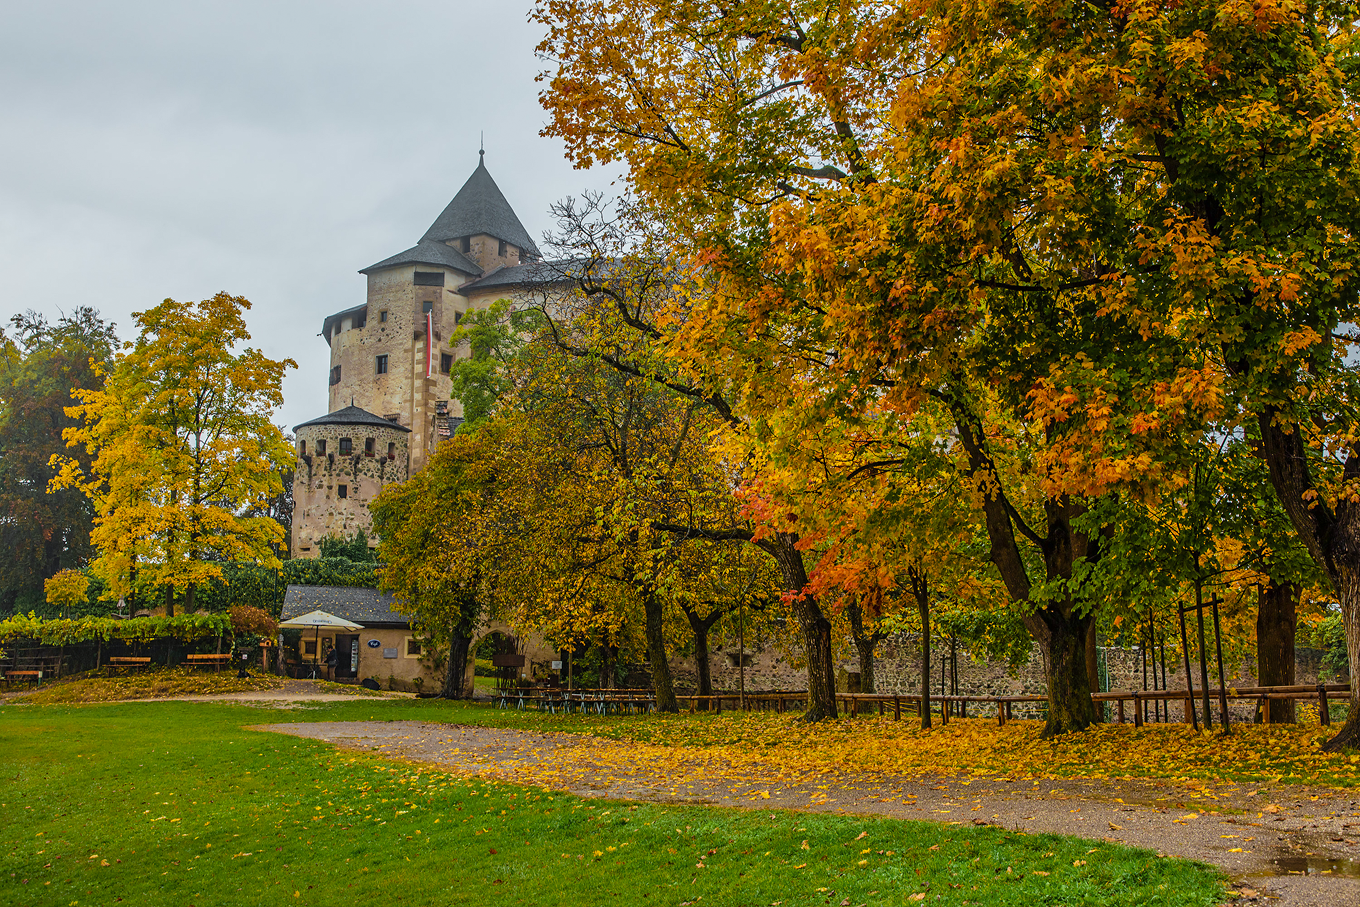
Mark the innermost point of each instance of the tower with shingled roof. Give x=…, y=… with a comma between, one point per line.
x=389, y=403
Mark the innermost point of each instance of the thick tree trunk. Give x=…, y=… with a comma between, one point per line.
x=656, y=650
x=1332, y=538
x=609, y=657
x=454, y=677
x=1070, y=707
x=189, y=598
x=1349, y=594
x=1275, y=625
x=816, y=629
x=169, y=601
x=1093, y=670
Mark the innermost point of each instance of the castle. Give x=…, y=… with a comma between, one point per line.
x=390, y=359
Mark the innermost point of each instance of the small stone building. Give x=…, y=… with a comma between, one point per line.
x=386, y=649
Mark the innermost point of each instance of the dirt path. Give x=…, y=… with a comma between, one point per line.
x=1282, y=845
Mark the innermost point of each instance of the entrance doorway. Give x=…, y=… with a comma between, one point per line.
x=347, y=657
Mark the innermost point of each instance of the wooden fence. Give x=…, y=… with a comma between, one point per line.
x=1141, y=702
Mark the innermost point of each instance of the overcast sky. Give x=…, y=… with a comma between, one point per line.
x=269, y=149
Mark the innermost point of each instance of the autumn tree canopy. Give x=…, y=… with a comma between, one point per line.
x=181, y=446
x=1088, y=234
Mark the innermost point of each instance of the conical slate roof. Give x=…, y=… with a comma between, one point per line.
x=351, y=415
x=479, y=207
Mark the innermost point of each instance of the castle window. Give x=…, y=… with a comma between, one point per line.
x=501, y=250
x=445, y=363
x=302, y=448
x=346, y=447
x=427, y=306
x=342, y=491
x=412, y=647
x=368, y=447
x=391, y=450
x=321, y=448
x=382, y=317
x=335, y=376
x=382, y=364
x=394, y=418
x=361, y=320
x=467, y=243
x=457, y=317
x=429, y=278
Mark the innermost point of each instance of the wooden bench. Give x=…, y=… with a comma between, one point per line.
x=10, y=675
x=216, y=662
x=128, y=663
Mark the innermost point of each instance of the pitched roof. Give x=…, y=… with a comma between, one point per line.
x=352, y=415
x=366, y=607
x=534, y=273
x=479, y=207
x=429, y=252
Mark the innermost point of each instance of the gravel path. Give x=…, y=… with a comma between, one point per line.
x=1282, y=845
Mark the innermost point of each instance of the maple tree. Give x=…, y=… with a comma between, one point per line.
x=1079, y=231
x=435, y=548
x=180, y=444
x=66, y=589
x=40, y=365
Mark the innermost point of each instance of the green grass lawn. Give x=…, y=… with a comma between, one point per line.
x=176, y=803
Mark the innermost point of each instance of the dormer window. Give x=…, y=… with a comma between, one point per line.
x=501, y=251
x=467, y=244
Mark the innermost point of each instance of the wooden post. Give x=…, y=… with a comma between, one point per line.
x=718, y=700
x=1009, y=715
x=1001, y=714
x=1138, y=718
x=1324, y=708
x=1121, y=710
x=897, y=708
x=944, y=710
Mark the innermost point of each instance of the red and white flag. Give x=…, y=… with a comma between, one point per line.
x=429, y=344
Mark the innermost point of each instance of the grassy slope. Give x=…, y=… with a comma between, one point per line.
x=174, y=803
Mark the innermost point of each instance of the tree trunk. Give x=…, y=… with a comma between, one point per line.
x=1063, y=640
x=924, y=608
x=169, y=601
x=609, y=656
x=1332, y=538
x=1275, y=616
x=865, y=643
x=1093, y=671
x=703, y=669
x=656, y=650
x=189, y=597
x=821, y=672
x=454, y=677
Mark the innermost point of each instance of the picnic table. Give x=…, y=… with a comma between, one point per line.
x=585, y=701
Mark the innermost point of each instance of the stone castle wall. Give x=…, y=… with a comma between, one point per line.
x=319, y=510
x=897, y=670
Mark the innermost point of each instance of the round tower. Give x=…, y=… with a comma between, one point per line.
x=343, y=460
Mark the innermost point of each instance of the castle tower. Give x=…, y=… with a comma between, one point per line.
x=391, y=357
x=344, y=460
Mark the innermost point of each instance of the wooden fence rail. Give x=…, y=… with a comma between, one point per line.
x=949, y=706
x=855, y=704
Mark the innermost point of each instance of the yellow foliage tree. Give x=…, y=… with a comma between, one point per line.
x=66, y=588
x=181, y=444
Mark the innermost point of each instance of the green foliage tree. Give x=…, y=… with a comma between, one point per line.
x=41, y=364
x=355, y=548
x=181, y=444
